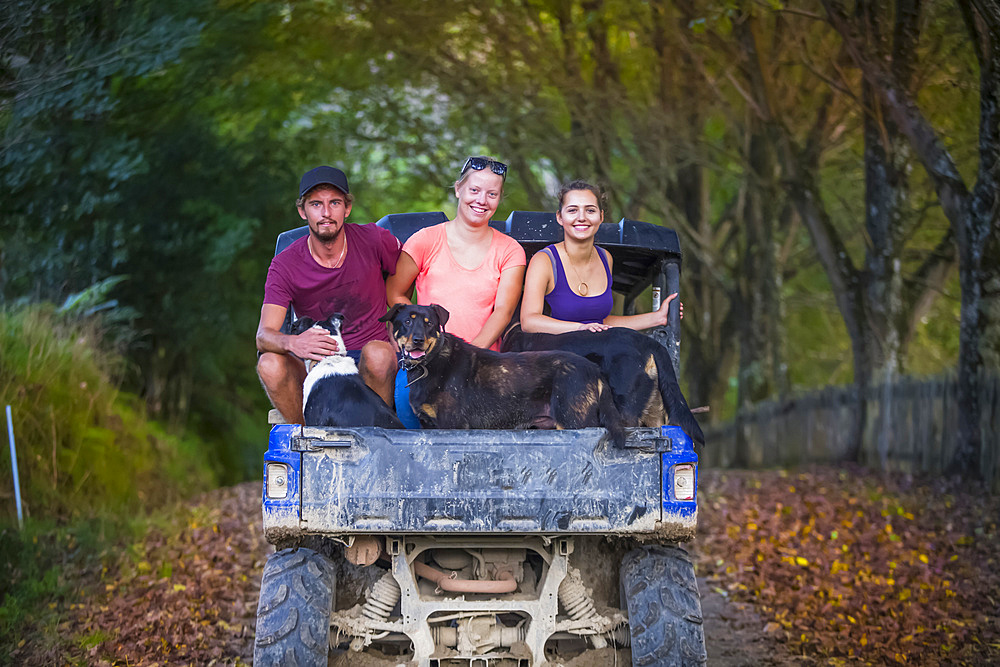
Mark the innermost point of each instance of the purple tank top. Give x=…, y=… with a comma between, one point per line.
x=565, y=304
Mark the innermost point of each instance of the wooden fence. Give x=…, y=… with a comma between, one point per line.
x=918, y=418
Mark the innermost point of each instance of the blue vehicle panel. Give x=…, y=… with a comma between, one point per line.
x=370, y=480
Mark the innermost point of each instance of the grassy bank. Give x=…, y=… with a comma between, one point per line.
x=84, y=447
x=91, y=463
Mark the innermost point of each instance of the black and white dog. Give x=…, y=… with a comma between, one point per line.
x=333, y=393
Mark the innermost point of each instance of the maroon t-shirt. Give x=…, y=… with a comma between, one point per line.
x=356, y=289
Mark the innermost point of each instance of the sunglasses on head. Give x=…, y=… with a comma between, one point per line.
x=480, y=163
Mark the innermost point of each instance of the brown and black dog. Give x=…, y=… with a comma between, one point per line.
x=457, y=385
x=637, y=368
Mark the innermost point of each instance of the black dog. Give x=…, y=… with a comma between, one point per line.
x=333, y=393
x=457, y=385
x=638, y=370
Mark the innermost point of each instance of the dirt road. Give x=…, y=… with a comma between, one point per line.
x=839, y=566
x=735, y=637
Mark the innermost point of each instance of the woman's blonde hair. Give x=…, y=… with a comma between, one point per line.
x=485, y=158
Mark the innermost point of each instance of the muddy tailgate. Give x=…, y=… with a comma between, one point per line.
x=432, y=481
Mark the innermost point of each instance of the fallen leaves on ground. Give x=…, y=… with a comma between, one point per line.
x=186, y=595
x=847, y=565
x=843, y=566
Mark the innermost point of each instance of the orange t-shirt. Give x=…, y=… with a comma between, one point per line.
x=469, y=295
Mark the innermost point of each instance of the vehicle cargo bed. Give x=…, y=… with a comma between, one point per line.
x=370, y=480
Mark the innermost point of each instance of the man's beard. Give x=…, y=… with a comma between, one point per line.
x=327, y=237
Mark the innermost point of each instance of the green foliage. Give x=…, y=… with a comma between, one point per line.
x=95, y=299
x=83, y=446
x=29, y=580
x=64, y=153
x=41, y=565
x=163, y=142
x=129, y=150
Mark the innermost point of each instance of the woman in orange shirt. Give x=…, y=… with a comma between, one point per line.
x=463, y=264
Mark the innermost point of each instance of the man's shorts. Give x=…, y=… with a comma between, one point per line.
x=353, y=354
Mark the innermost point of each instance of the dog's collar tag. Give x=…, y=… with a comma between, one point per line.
x=417, y=379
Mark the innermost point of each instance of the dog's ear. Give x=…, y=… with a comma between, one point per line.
x=300, y=325
x=391, y=314
x=442, y=315
x=334, y=323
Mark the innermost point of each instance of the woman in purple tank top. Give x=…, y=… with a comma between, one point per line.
x=573, y=277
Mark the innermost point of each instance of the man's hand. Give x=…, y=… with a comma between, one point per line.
x=314, y=343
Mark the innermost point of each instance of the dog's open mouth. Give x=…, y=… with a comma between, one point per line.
x=413, y=358
x=414, y=350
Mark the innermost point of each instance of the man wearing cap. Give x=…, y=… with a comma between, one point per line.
x=335, y=268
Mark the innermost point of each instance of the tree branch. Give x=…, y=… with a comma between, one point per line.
x=928, y=281
x=930, y=150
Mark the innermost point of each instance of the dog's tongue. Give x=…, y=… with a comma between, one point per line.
x=416, y=354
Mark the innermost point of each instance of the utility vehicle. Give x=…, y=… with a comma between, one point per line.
x=487, y=548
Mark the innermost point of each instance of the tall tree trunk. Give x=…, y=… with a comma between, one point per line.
x=973, y=216
x=980, y=326
x=760, y=369
x=886, y=193
x=709, y=330
x=798, y=171
x=884, y=186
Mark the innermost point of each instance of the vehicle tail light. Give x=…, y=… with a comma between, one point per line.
x=684, y=481
x=277, y=480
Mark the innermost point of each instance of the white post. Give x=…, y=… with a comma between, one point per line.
x=13, y=461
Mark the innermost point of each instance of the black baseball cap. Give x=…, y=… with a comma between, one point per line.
x=323, y=176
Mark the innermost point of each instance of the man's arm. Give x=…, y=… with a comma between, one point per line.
x=310, y=344
x=399, y=286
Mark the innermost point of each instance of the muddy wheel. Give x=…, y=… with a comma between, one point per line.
x=293, y=616
x=664, y=608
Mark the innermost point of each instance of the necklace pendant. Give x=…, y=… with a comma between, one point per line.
x=582, y=289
